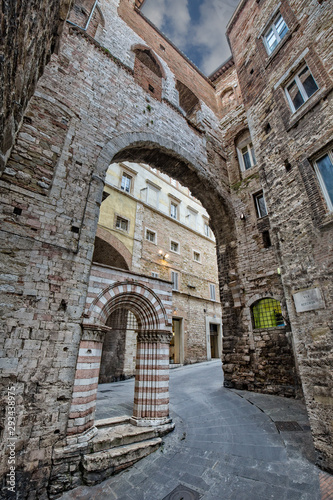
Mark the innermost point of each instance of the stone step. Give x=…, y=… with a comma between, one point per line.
x=120, y=435
x=100, y=465
x=112, y=422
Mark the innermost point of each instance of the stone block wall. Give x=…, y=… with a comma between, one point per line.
x=48, y=231
x=286, y=144
x=26, y=46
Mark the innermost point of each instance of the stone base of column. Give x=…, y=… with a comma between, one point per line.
x=150, y=422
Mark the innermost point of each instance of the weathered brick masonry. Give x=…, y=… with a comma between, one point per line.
x=88, y=110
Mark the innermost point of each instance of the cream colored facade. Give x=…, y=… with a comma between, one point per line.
x=166, y=231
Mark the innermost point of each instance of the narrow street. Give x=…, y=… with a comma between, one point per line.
x=227, y=445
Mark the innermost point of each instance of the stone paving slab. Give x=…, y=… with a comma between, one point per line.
x=226, y=445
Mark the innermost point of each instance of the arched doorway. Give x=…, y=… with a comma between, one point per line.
x=113, y=305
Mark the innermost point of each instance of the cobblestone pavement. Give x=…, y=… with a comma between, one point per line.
x=227, y=445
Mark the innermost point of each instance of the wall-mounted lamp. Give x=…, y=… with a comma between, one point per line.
x=163, y=255
x=242, y=216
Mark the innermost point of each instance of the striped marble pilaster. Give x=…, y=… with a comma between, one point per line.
x=82, y=411
x=151, y=396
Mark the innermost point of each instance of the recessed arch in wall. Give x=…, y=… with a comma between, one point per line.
x=110, y=251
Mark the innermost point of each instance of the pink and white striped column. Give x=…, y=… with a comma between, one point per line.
x=82, y=411
x=151, y=395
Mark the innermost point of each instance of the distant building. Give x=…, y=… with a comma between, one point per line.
x=150, y=224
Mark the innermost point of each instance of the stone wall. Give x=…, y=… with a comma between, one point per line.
x=48, y=230
x=27, y=42
x=286, y=144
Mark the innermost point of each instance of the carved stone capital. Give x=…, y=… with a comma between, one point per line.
x=155, y=336
x=95, y=333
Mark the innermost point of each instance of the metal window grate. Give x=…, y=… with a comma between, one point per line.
x=267, y=314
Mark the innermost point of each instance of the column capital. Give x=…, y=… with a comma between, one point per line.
x=95, y=333
x=155, y=336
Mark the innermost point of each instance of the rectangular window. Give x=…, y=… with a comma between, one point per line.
x=248, y=156
x=277, y=30
x=300, y=89
x=212, y=292
x=174, y=246
x=122, y=224
x=324, y=170
x=174, y=279
x=260, y=205
x=154, y=275
x=206, y=229
x=174, y=210
x=196, y=256
x=126, y=182
x=150, y=236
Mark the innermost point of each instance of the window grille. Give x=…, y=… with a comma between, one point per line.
x=266, y=313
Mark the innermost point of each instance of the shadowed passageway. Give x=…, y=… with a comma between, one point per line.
x=227, y=444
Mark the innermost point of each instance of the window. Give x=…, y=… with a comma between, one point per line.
x=245, y=152
x=174, y=246
x=260, y=205
x=174, y=210
x=300, y=89
x=126, y=183
x=324, y=170
x=248, y=157
x=212, y=292
x=174, y=279
x=277, y=30
x=154, y=275
x=196, y=256
x=206, y=229
x=150, y=236
x=266, y=313
x=122, y=224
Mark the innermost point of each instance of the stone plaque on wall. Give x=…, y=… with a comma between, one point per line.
x=307, y=300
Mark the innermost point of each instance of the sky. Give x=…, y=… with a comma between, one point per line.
x=196, y=27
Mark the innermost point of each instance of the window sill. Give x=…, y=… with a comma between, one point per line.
x=306, y=107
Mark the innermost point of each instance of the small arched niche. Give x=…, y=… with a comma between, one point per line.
x=148, y=71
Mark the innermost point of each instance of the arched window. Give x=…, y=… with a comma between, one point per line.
x=188, y=101
x=266, y=313
x=148, y=71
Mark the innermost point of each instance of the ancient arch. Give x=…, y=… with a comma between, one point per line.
x=110, y=251
x=151, y=401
